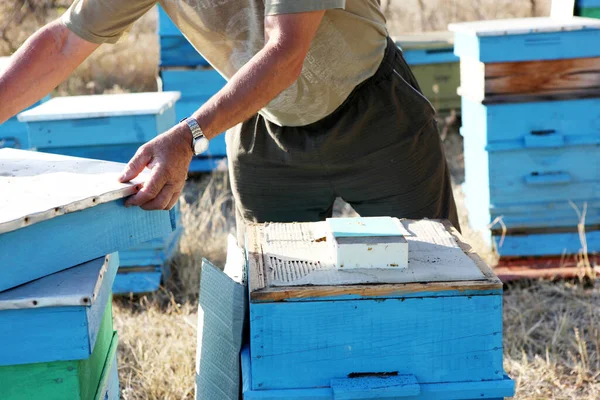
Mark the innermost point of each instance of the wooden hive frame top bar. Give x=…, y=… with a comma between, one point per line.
x=36, y=187
x=263, y=290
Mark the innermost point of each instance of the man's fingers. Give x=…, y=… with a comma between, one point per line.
x=161, y=201
x=174, y=200
x=136, y=165
x=152, y=187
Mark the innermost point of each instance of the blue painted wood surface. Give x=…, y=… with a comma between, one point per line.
x=207, y=164
x=134, y=129
x=491, y=390
x=527, y=47
x=572, y=121
x=437, y=339
x=546, y=244
x=137, y=281
x=27, y=254
x=175, y=49
x=374, y=387
x=14, y=134
x=58, y=333
x=196, y=87
x=154, y=252
x=430, y=56
x=588, y=3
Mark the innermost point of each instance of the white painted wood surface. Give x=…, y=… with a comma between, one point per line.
x=76, y=286
x=294, y=256
x=424, y=40
x=98, y=106
x=562, y=8
x=519, y=26
x=36, y=186
x=4, y=62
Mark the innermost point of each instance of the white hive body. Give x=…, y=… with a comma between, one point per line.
x=376, y=243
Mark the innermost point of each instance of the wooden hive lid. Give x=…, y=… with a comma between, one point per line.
x=425, y=40
x=76, y=286
x=4, y=62
x=100, y=106
x=521, y=26
x=291, y=261
x=36, y=187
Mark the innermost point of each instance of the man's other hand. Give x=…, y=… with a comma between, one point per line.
x=168, y=157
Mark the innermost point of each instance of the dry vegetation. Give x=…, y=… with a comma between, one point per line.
x=552, y=337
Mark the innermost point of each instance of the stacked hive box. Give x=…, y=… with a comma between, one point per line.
x=587, y=8
x=184, y=70
x=432, y=330
x=530, y=99
x=432, y=60
x=111, y=128
x=59, y=216
x=13, y=133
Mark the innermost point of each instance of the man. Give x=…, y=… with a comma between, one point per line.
x=319, y=104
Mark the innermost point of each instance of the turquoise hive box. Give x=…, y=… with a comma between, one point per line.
x=432, y=330
x=175, y=49
x=61, y=211
x=532, y=160
x=60, y=330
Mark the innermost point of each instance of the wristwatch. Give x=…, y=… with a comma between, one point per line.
x=199, y=141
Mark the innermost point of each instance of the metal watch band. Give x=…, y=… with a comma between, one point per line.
x=194, y=127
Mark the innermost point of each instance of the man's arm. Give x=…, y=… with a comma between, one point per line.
x=44, y=61
x=268, y=73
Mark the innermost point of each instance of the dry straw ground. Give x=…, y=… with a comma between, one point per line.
x=552, y=335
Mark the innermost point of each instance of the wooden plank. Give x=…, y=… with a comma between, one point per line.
x=138, y=281
x=101, y=106
x=107, y=372
x=61, y=380
x=520, y=26
x=530, y=79
x=48, y=332
x=262, y=289
x=451, y=339
x=221, y=317
x=32, y=179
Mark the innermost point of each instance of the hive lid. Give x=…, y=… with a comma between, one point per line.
x=520, y=26
x=76, y=286
x=4, y=62
x=101, y=105
x=425, y=40
x=292, y=261
x=36, y=186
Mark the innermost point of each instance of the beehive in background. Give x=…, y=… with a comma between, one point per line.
x=184, y=70
x=530, y=94
x=111, y=127
x=431, y=58
x=431, y=330
x=587, y=8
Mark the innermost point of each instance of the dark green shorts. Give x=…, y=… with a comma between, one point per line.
x=380, y=151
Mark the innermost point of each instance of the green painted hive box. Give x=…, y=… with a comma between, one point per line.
x=431, y=58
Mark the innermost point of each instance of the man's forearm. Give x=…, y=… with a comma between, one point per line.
x=266, y=75
x=44, y=61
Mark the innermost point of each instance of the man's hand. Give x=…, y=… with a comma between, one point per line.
x=168, y=156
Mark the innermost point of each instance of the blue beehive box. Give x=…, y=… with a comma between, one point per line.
x=76, y=202
x=175, y=49
x=531, y=161
x=196, y=87
x=60, y=330
x=432, y=330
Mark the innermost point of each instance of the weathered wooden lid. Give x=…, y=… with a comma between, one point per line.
x=520, y=26
x=425, y=40
x=101, y=105
x=36, y=186
x=76, y=286
x=292, y=261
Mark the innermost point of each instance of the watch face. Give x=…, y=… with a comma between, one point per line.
x=200, y=145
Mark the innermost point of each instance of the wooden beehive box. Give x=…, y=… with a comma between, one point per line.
x=520, y=59
x=587, y=8
x=431, y=58
x=106, y=127
x=432, y=330
x=58, y=331
x=175, y=49
x=58, y=211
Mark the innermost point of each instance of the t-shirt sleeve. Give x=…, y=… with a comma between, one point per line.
x=274, y=7
x=104, y=21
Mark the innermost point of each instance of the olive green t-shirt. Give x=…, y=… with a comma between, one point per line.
x=347, y=49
